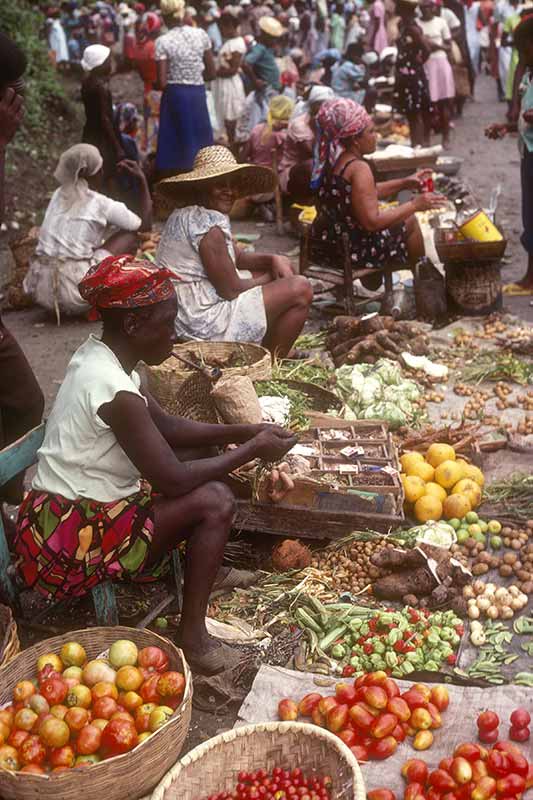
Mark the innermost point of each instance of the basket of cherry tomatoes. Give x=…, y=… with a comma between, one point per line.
x=264, y=761
x=96, y=713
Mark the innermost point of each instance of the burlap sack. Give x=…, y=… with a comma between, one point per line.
x=236, y=400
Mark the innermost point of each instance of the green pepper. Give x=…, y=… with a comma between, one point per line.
x=338, y=651
x=432, y=666
x=391, y=659
x=378, y=645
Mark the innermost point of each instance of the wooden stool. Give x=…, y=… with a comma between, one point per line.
x=14, y=459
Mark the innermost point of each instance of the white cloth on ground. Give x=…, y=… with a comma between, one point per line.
x=80, y=455
x=202, y=313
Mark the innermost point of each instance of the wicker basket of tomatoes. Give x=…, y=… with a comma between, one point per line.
x=96, y=713
x=282, y=754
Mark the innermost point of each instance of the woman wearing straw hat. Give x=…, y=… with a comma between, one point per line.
x=184, y=62
x=225, y=293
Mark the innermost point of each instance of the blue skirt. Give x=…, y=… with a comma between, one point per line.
x=184, y=126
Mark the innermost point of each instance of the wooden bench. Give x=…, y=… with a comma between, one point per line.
x=344, y=276
x=14, y=459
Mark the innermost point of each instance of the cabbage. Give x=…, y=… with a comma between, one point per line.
x=409, y=390
x=370, y=391
x=388, y=371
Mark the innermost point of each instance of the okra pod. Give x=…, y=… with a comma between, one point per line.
x=328, y=640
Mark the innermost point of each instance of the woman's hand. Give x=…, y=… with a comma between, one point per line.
x=428, y=200
x=496, y=131
x=416, y=181
x=132, y=168
x=271, y=446
x=281, y=267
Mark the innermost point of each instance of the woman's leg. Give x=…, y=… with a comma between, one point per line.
x=203, y=518
x=287, y=304
x=122, y=242
x=444, y=108
x=427, y=122
x=416, y=128
x=415, y=241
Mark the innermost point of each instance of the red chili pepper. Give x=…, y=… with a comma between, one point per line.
x=452, y=659
x=348, y=671
x=368, y=649
x=373, y=624
x=399, y=647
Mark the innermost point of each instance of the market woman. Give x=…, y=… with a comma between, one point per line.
x=112, y=495
x=77, y=220
x=184, y=62
x=225, y=293
x=411, y=91
x=348, y=195
x=438, y=68
x=144, y=58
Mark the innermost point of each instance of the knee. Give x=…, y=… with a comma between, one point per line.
x=219, y=501
x=302, y=290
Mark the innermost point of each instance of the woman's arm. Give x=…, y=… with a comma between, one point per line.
x=278, y=266
x=390, y=188
x=133, y=168
x=210, y=69
x=221, y=270
x=365, y=206
x=232, y=68
x=162, y=74
x=131, y=422
x=107, y=124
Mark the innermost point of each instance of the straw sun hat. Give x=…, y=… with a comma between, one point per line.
x=271, y=27
x=211, y=163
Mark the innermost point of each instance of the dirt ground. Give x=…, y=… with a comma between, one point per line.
x=486, y=164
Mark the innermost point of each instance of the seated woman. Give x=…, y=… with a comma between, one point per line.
x=348, y=195
x=225, y=293
x=113, y=494
x=297, y=159
x=75, y=232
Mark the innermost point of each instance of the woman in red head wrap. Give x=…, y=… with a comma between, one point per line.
x=348, y=195
x=117, y=487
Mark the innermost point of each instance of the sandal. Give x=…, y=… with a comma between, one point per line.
x=216, y=660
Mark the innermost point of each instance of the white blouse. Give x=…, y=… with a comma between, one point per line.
x=184, y=49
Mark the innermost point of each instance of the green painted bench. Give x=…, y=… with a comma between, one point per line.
x=14, y=459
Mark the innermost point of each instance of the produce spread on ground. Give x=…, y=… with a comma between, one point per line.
x=413, y=585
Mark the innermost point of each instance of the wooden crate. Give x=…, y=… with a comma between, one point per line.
x=314, y=508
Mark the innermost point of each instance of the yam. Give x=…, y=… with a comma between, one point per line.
x=419, y=582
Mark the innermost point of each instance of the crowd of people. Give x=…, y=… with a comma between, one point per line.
x=257, y=102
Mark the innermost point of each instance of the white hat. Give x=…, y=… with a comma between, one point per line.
x=246, y=2
x=271, y=27
x=94, y=56
x=319, y=94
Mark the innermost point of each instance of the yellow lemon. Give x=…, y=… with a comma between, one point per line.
x=473, y=473
x=448, y=474
x=470, y=489
x=437, y=453
x=456, y=506
x=436, y=490
x=408, y=459
x=428, y=507
x=422, y=470
x=414, y=487
x=463, y=464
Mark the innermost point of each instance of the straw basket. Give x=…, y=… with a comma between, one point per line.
x=128, y=776
x=214, y=765
x=9, y=640
x=165, y=379
x=473, y=290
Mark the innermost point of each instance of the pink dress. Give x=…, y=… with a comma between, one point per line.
x=380, y=39
x=438, y=69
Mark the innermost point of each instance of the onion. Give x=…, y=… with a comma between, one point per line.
x=501, y=593
x=493, y=612
x=506, y=612
x=468, y=593
x=478, y=587
x=514, y=590
x=98, y=670
x=483, y=603
x=473, y=612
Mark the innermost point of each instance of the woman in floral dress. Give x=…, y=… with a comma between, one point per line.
x=411, y=93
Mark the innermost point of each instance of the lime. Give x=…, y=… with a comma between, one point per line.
x=455, y=523
x=473, y=529
x=462, y=535
x=471, y=517
x=479, y=537
x=494, y=526
x=483, y=525
x=495, y=542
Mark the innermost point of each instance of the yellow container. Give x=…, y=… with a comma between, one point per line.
x=480, y=228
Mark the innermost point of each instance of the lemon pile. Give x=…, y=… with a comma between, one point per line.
x=439, y=484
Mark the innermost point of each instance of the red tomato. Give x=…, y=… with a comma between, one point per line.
x=149, y=691
x=152, y=659
x=59, y=711
x=62, y=756
x=103, y=689
x=129, y=679
x=131, y=700
x=89, y=740
x=519, y=734
x=104, y=708
x=487, y=721
x=489, y=737
x=142, y=717
x=54, y=732
x=23, y=691
x=76, y=718
x=25, y=719
x=16, y=737
x=121, y=714
x=32, y=751
x=9, y=758
x=39, y=721
x=33, y=769
x=7, y=715
x=118, y=737
x=520, y=718
x=54, y=690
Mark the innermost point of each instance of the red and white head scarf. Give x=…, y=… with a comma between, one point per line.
x=125, y=282
x=337, y=120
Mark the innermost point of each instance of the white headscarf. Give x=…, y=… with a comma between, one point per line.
x=75, y=190
x=94, y=56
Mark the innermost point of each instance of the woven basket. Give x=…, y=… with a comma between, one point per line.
x=128, y=776
x=9, y=640
x=165, y=379
x=194, y=400
x=214, y=765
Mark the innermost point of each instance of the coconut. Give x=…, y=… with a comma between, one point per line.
x=290, y=554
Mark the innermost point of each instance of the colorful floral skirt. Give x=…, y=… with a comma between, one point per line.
x=66, y=547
